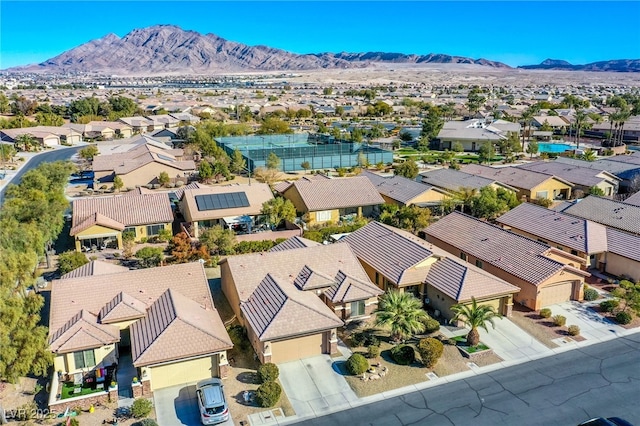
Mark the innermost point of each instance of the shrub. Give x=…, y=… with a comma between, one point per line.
x=74, y=422
x=238, y=336
x=357, y=364
x=574, y=330
x=268, y=372
x=609, y=305
x=26, y=411
x=590, y=294
x=141, y=407
x=358, y=339
x=268, y=394
x=373, y=351
x=431, y=325
x=430, y=351
x=371, y=340
x=559, y=320
x=146, y=422
x=623, y=317
x=545, y=313
x=403, y=354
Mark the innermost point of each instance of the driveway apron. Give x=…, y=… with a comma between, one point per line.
x=512, y=343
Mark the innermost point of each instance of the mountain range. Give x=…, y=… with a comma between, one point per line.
x=163, y=49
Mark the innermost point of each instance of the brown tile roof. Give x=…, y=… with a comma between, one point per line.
x=95, y=267
x=462, y=281
x=257, y=194
x=615, y=214
x=193, y=185
x=308, y=279
x=328, y=194
x=294, y=243
x=572, y=173
x=92, y=293
x=276, y=309
x=513, y=253
x=512, y=176
x=123, y=211
x=138, y=156
x=399, y=188
x=122, y=308
x=280, y=187
x=558, y=228
x=348, y=289
x=249, y=270
x=177, y=327
x=82, y=331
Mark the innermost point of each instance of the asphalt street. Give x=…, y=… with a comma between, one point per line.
x=48, y=156
x=565, y=389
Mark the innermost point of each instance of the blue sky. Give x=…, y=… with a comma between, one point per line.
x=514, y=32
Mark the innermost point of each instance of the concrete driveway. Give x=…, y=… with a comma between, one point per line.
x=512, y=343
x=315, y=386
x=592, y=326
x=177, y=405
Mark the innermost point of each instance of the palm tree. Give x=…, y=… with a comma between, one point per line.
x=589, y=155
x=402, y=312
x=580, y=117
x=623, y=116
x=25, y=142
x=527, y=116
x=475, y=316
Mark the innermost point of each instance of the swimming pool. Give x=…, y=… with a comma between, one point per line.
x=554, y=147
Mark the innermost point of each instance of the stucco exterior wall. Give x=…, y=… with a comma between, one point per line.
x=176, y=373
x=551, y=185
x=104, y=356
x=147, y=173
x=229, y=289
x=619, y=266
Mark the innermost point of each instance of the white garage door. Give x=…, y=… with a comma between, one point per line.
x=292, y=349
x=555, y=293
x=184, y=372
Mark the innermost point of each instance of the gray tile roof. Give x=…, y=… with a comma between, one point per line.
x=398, y=188
x=129, y=211
x=462, y=281
x=513, y=253
x=276, y=309
x=634, y=199
x=618, y=168
x=468, y=130
x=558, y=228
x=452, y=180
x=513, y=176
x=294, y=243
x=575, y=174
x=624, y=244
x=329, y=194
x=615, y=214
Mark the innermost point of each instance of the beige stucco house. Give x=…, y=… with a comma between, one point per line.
x=405, y=192
x=163, y=319
x=545, y=275
x=292, y=300
x=99, y=222
x=583, y=178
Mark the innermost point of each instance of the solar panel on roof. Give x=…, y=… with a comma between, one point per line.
x=221, y=201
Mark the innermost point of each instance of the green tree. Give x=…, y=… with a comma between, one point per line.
x=488, y=205
x=273, y=126
x=486, y=152
x=580, y=119
x=279, y=209
x=7, y=152
x=70, y=260
x=402, y=313
x=306, y=166
x=588, y=155
x=205, y=171
x=218, y=240
x=475, y=100
x=457, y=147
x=411, y=218
x=432, y=125
x=596, y=190
x=26, y=142
x=49, y=119
x=327, y=91
x=238, y=162
x=163, y=178
x=149, y=256
x=532, y=148
x=475, y=316
x=273, y=161
x=408, y=169
x=405, y=136
x=88, y=152
x=117, y=183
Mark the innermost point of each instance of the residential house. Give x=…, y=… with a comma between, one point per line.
x=405, y=192
x=625, y=167
x=163, y=317
x=472, y=134
x=102, y=130
x=327, y=200
x=292, y=301
x=582, y=178
x=615, y=214
x=99, y=222
x=554, y=121
x=163, y=121
x=45, y=135
x=545, y=275
x=140, y=124
x=142, y=165
x=530, y=185
x=452, y=181
x=633, y=199
x=395, y=259
x=232, y=206
x=607, y=249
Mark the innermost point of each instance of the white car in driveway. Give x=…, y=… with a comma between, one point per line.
x=212, y=402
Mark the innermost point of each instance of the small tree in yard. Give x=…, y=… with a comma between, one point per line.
x=149, y=256
x=430, y=351
x=475, y=316
x=268, y=372
x=141, y=407
x=268, y=394
x=279, y=209
x=357, y=364
x=70, y=260
x=117, y=183
x=401, y=312
x=164, y=178
x=306, y=166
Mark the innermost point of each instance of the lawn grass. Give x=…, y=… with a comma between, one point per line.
x=68, y=387
x=462, y=341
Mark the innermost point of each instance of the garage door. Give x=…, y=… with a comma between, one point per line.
x=555, y=293
x=184, y=372
x=302, y=347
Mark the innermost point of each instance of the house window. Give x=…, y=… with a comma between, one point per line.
x=323, y=216
x=412, y=289
x=357, y=308
x=84, y=359
x=479, y=263
x=542, y=194
x=154, y=229
x=463, y=256
x=131, y=230
x=574, y=252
